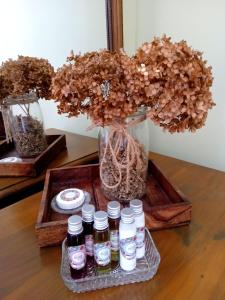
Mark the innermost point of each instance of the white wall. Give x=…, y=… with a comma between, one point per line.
x=202, y=24
x=50, y=29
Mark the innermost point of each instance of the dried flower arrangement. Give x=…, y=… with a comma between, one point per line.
x=23, y=81
x=170, y=80
x=178, y=84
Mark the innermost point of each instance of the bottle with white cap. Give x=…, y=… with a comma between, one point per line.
x=113, y=209
x=102, y=249
x=76, y=247
x=139, y=217
x=88, y=211
x=127, y=235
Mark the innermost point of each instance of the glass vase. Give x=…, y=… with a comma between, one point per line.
x=26, y=123
x=123, y=154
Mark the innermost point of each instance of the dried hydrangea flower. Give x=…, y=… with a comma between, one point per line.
x=27, y=74
x=177, y=84
x=104, y=84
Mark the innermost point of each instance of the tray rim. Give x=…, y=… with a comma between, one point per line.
x=33, y=164
x=42, y=224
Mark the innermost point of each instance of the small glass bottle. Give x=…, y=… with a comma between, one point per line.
x=88, y=211
x=113, y=209
x=127, y=234
x=139, y=217
x=76, y=247
x=102, y=250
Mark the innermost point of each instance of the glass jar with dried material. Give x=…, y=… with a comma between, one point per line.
x=26, y=124
x=123, y=152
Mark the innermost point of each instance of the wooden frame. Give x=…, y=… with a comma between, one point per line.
x=114, y=22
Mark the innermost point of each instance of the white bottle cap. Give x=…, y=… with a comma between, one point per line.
x=113, y=209
x=88, y=211
x=75, y=224
x=137, y=206
x=100, y=220
x=127, y=215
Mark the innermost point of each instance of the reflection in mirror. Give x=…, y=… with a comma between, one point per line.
x=50, y=29
x=201, y=23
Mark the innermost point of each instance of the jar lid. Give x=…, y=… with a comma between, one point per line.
x=113, y=209
x=100, y=220
x=88, y=211
x=127, y=215
x=137, y=206
x=75, y=224
x=70, y=198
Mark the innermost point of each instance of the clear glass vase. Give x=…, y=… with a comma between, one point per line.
x=123, y=154
x=26, y=124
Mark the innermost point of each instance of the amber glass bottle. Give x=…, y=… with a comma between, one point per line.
x=76, y=247
x=88, y=211
x=102, y=250
x=113, y=209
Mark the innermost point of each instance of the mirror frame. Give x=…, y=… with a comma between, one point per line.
x=114, y=23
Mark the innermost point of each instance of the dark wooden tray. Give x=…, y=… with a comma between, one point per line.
x=164, y=206
x=30, y=166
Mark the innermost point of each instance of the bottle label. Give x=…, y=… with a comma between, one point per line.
x=128, y=247
x=102, y=253
x=89, y=244
x=114, y=240
x=140, y=237
x=77, y=256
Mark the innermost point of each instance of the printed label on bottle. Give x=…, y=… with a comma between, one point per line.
x=89, y=244
x=140, y=237
x=114, y=240
x=77, y=256
x=102, y=252
x=128, y=247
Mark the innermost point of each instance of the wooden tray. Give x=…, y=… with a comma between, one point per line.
x=30, y=166
x=164, y=206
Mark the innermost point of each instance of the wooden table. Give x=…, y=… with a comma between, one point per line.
x=80, y=149
x=192, y=258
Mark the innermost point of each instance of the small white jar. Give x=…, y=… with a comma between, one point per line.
x=70, y=198
x=137, y=207
x=127, y=234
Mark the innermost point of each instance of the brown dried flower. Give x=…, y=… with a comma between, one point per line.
x=170, y=79
x=26, y=74
x=177, y=84
x=3, y=90
x=104, y=84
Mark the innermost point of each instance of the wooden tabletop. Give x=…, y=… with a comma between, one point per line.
x=192, y=258
x=79, y=149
